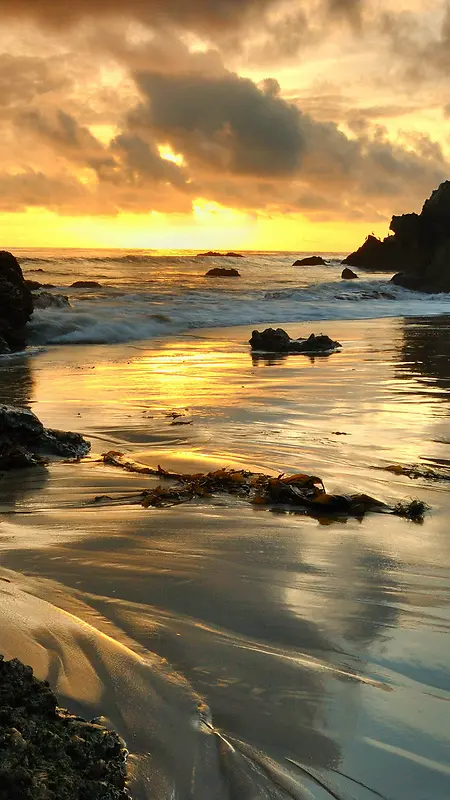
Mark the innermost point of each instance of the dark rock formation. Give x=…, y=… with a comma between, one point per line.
x=24, y=442
x=348, y=274
x=47, y=753
x=214, y=253
x=222, y=272
x=16, y=304
x=278, y=341
x=33, y=285
x=418, y=250
x=86, y=285
x=309, y=261
x=48, y=300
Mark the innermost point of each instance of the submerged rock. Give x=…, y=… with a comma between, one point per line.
x=25, y=442
x=86, y=285
x=222, y=272
x=278, y=341
x=16, y=304
x=348, y=274
x=309, y=261
x=48, y=300
x=418, y=249
x=46, y=753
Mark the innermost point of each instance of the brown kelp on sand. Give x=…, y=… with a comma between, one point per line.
x=300, y=492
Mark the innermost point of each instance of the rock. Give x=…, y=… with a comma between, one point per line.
x=215, y=254
x=33, y=285
x=86, y=285
x=48, y=300
x=348, y=274
x=278, y=341
x=309, y=261
x=419, y=249
x=16, y=303
x=24, y=441
x=222, y=272
x=46, y=752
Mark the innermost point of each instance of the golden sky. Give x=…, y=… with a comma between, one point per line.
x=251, y=124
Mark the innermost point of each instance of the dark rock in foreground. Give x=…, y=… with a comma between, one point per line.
x=222, y=272
x=419, y=249
x=309, y=261
x=348, y=274
x=215, y=254
x=16, y=304
x=47, y=753
x=86, y=285
x=24, y=442
x=278, y=341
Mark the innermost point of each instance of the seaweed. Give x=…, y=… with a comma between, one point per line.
x=300, y=492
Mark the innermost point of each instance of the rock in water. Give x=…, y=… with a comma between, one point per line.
x=348, y=274
x=222, y=272
x=418, y=249
x=16, y=304
x=49, y=300
x=25, y=442
x=86, y=285
x=46, y=753
x=278, y=341
x=309, y=261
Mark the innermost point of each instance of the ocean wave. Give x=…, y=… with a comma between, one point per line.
x=128, y=317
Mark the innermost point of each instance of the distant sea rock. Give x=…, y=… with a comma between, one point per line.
x=215, y=254
x=418, y=249
x=24, y=442
x=222, y=272
x=16, y=304
x=278, y=341
x=85, y=285
x=310, y=261
x=348, y=274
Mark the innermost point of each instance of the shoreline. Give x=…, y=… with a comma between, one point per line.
x=295, y=636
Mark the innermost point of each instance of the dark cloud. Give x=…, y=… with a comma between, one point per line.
x=226, y=122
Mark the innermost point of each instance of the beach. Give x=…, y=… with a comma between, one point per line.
x=243, y=653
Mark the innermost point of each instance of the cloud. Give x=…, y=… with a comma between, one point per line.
x=226, y=122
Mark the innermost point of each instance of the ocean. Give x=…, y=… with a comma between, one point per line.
x=145, y=294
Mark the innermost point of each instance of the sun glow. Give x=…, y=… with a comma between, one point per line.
x=166, y=152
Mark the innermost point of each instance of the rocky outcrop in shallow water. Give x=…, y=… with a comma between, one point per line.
x=215, y=254
x=309, y=261
x=46, y=753
x=348, y=274
x=16, y=304
x=419, y=249
x=278, y=341
x=24, y=442
x=85, y=285
x=222, y=272
x=49, y=300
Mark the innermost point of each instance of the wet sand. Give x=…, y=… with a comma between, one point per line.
x=232, y=647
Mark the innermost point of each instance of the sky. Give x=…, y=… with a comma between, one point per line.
x=252, y=124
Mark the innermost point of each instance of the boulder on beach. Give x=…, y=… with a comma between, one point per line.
x=16, y=304
x=278, y=341
x=309, y=261
x=46, y=752
x=222, y=272
x=348, y=274
x=24, y=442
x=49, y=300
x=418, y=249
x=85, y=285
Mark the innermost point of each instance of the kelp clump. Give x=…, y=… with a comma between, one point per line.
x=299, y=492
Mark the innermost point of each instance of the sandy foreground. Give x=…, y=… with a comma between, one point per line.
x=234, y=648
